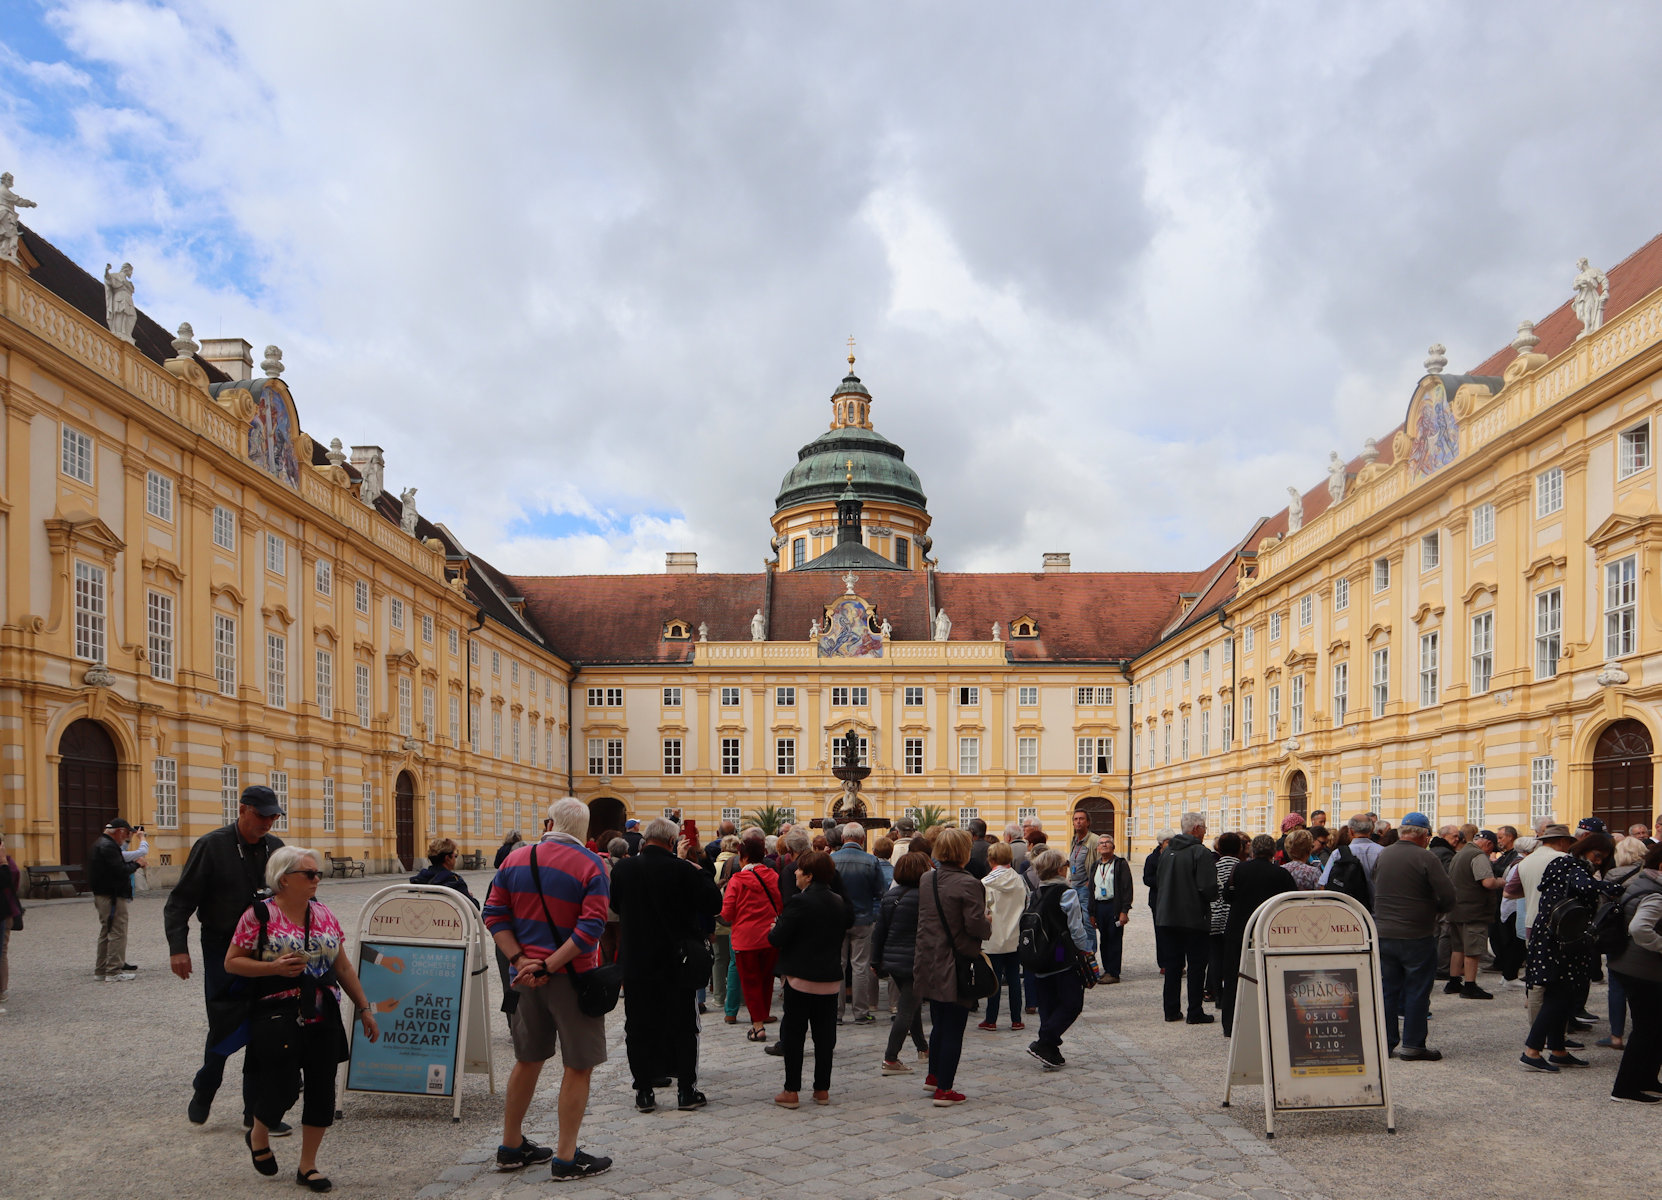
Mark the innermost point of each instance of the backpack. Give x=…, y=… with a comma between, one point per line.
x=1347, y=874
x=1039, y=947
x=1610, y=926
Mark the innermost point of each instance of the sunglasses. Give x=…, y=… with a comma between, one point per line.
x=314, y=876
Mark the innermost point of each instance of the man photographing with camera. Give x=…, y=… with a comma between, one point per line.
x=221, y=878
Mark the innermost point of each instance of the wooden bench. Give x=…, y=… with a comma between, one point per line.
x=48, y=879
x=343, y=866
x=473, y=860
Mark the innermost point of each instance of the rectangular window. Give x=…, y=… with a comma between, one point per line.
x=405, y=715
x=1136, y=747
x=1476, y=789
x=1206, y=731
x=837, y=753
x=1431, y=552
x=1621, y=606
x=1183, y=740
x=496, y=733
x=784, y=697
x=323, y=577
x=596, y=697
x=1341, y=692
x=1295, y=708
x=360, y=596
x=77, y=454
x=614, y=697
x=1549, y=626
x=167, y=793
x=969, y=697
x=1027, y=697
x=1542, y=792
x=1228, y=723
x=276, y=670
x=89, y=612
x=230, y=793
x=478, y=817
x=496, y=813
x=1376, y=787
x=1633, y=450
x=672, y=697
x=1272, y=711
x=1483, y=525
x=1167, y=730
x=1483, y=652
x=225, y=528
x=456, y=645
x=784, y=755
x=912, y=756
x=1027, y=756
x=1246, y=719
x=1185, y=670
x=966, y=815
x=799, y=552
x=455, y=720
x=597, y=756
x=839, y=697
x=861, y=696
x=1381, y=574
x=475, y=726
x=360, y=692
x=323, y=683
x=1084, y=696
x=614, y=756
x=225, y=654
x=1205, y=661
x=1381, y=680
x=396, y=608
x=280, y=784
x=369, y=806
x=158, y=496
x=427, y=712
x=1341, y=595
x=427, y=628
x=1549, y=491
x=531, y=740
x=513, y=673
x=1306, y=611
x=1089, y=753
x=328, y=806
x=1246, y=640
x=276, y=554
x=729, y=756
x=672, y=756
x=729, y=697
x=1427, y=795
x=472, y=653
x=1428, y=669
x=1275, y=626
x=496, y=662
x=902, y=552
x=1333, y=802
x=158, y=615
x=787, y=815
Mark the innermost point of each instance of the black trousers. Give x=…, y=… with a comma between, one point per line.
x=277, y=1081
x=1217, y=964
x=947, y=1019
x=1186, y=948
x=660, y=1031
x=226, y=1030
x=805, y=1011
x=1642, y=1049
x=1061, y=999
x=1509, y=949
x=1558, y=1004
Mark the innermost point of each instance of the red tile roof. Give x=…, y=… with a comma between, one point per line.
x=1085, y=617
x=620, y=618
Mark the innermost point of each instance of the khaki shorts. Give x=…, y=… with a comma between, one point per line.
x=548, y=1016
x=1471, y=938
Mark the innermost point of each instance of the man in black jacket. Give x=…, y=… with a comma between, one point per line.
x=110, y=880
x=225, y=870
x=1188, y=883
x=664, y=901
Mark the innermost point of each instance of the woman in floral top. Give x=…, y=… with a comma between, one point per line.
x=1305, y=874
x=295, y=1031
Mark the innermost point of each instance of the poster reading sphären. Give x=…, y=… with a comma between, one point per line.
x=416, y=995
x=1324, y=1023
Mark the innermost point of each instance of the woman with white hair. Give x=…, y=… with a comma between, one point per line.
x=290, y=946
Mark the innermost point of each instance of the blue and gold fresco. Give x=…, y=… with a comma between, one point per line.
x=848, y=632
x=1434, y=434
x=271, y=436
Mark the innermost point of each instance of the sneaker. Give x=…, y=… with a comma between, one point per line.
x=1419, y=1054
x=1453, y=986
x=893, y=1066
x=1474, y=991
x=1635, y=1098
x=777, y=1049
x=1018, y=1025
x=929, y=1084
x=865, y=1019
x=582, y=1166
x=989, y=1026
x=1567, y=1060
x=526, y=1154
x=687, y=1099
x=645, y=1101
x=945, y=1099
x=129, y=967
x=1031, y=1010
x=1110, y=979
x=1538, y=1064
x=1049, y=1059
x=197, y=1110
x=122, y=977
x=1586, y=1016
x=1174, y=1017
x=1572, y=1044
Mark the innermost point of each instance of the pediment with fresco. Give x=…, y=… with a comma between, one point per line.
x=851, y=629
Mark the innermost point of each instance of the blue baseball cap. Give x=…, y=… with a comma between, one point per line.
x=631, y=823
x=1415, y=820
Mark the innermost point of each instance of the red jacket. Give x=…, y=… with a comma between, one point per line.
x=750, y=906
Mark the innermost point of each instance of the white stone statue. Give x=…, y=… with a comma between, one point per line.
x=272, y=363
x=1437, y=359
x=758, y=628
x=184, y=345
x=119, y=313
x=1335, y=476
x=1295, y=510
x=996, y=638
x=943, y=626
x=703, y=632
x=374, y=470
x=1370, y=451
x=407, y=520
x=10, y=202
x=813, y=630
x=887, y=629
x=1592, y=289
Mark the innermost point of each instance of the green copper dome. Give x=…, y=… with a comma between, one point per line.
x=880, y=470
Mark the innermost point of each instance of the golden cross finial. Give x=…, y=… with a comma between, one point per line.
x=849, y=477
x=851, y=353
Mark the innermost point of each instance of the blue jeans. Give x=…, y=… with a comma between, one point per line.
x=1408, y=967
x=1007, y=970
x=1618, y=1004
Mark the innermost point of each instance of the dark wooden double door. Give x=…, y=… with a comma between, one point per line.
x=1623, y=777
x=87, y=794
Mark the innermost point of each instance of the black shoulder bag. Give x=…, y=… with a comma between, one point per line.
x=975, y=975
x=597, y=990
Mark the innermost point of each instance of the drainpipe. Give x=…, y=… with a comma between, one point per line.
x=571, y=732
x=1130, y=755
x=1223, y=622
x=467, y=662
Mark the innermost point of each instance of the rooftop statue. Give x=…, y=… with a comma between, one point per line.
x=1295, y=510
x=758, y=628
x=10, y=202
x=119, y=313
x=1592, y=289
x=409, y=517
x=1335, y=476
x=943, y=626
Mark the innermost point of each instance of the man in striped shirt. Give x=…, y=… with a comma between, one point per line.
x=546, y=910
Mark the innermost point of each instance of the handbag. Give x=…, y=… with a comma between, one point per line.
x=975, y=975
x=597, y=990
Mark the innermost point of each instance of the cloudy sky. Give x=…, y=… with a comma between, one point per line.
x=1118, y=273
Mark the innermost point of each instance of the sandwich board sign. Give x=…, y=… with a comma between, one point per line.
x=421, y=959
x=1309, y=1009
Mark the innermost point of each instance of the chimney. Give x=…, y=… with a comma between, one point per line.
x=234, y=356
x=1058, y=562
x=681, y=562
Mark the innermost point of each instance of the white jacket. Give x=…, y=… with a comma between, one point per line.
x=1006, y=896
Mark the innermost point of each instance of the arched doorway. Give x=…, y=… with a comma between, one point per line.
x=606, y=812
x=1622, y=777
x=87, y=799
x=1298, y=794
x=403, y=818
x=1101, y=814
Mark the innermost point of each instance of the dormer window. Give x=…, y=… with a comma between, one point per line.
x=1024, y=627
x=677, y=631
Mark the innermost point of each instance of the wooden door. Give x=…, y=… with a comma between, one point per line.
x=1298, y=794
x=1101, y=814
x=404, y=818
x=1622, y=777
x=87, y=799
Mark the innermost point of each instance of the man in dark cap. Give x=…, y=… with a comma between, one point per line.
x=225, y=871
x=110, y=880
